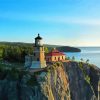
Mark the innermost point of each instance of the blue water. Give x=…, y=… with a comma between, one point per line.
x=91, y=53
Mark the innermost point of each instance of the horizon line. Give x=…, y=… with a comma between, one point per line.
x=46, y=44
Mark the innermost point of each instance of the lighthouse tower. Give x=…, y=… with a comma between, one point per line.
x=38, y=60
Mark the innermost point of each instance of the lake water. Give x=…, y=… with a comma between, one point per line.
x=91, y=53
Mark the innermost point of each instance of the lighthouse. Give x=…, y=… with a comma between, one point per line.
x=38, y=59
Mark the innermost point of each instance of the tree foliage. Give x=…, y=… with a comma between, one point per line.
x=15, y=52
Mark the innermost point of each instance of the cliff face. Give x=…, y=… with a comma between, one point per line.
x=56, y=85
x=49, y=84
x=83, y=80
x=95, y=80
x=67, y=81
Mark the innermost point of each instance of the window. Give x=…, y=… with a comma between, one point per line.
x=58, y=58
x=37, y=59
x=49, y=58
x=27, y=59
x=38, y=48
x=55, y=58
x=62, y=57
x=34, y=54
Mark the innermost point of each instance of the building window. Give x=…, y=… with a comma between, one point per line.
x=58, y=58
x=37, y=59
x=49, y=59
x=27, y=60
x=38, y=48
x=55, y=58
x=62, y=57
x=34, y=54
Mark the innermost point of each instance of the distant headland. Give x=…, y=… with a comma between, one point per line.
x=49, y=46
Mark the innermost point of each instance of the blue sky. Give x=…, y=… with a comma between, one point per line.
x=62, y=22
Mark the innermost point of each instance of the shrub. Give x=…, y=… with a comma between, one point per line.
x=3, y=73
x=87, y=78
x=32, y=81
x=73, y=58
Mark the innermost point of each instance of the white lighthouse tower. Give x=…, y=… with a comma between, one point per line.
x=37, y=60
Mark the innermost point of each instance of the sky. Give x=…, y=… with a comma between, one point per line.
x=60, y=22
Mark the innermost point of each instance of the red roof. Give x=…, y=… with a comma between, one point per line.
x=55, y=52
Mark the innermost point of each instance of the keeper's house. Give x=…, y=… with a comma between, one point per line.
x=55, y=55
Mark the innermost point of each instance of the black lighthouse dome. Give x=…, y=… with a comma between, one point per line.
x=38, y=37
x=38, y=41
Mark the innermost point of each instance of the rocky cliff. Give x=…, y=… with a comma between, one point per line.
x=83, y=80
x=59, y=81
x=48, y=84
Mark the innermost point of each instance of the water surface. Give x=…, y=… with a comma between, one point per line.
x=91, y=53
